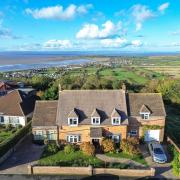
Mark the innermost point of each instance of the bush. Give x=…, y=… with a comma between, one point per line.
x=52, y=148
x=68, y=149
x=130, y=146
x=8, y=127
x=108, y=145
x=88, y=148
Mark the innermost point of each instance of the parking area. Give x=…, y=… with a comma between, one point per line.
x=162, y=170
x=26, y=153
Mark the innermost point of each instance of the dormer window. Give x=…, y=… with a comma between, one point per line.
x=144, y=115
x=73, y=118
x=95, y=120
x=115, y=117
x=116, y=120
x=73, y=121
x=95, y=117
x=145, y=112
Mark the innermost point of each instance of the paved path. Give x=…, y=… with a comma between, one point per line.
x=162, y=170
x=26, y=153
x=118, y=160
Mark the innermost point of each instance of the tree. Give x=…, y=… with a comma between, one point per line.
x=108, y=145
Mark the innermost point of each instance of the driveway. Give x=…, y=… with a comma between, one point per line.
x=162, y=170
x=26, y=153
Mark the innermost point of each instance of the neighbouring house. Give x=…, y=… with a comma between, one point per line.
x=90, y=115
x=44, y=120
x=16, y=107
x=146, y=110
x=6, y=86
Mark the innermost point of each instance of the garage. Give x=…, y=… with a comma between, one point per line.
x=152, y=135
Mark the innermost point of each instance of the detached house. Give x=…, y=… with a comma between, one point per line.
x=90, y=115
x=15, y=108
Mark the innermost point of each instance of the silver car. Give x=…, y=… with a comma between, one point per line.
x=157, y=152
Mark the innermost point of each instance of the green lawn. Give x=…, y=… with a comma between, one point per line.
x=75, y=159
x=137, y=158
x=4, y=133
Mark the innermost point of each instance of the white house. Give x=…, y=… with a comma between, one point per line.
x=16, y=107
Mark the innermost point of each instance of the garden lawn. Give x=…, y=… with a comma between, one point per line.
x=74, y=159
x=4, y=134
x=137, y=158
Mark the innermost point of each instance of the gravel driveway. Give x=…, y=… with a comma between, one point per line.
x=26, y=153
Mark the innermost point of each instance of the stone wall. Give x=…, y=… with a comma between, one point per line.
x=90, y=171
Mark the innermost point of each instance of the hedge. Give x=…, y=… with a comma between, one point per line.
x=10, y=142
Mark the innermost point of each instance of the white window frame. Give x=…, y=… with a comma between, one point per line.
x=73, y=137
x=39, y=135
x=117, y=118
x=145, y=115
x=133, y=132
x=96, y=119
x=113, y=137
x=74, y=119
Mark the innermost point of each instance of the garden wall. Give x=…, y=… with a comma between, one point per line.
x=90, y=171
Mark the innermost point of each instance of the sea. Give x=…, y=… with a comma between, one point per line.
x=16, y=61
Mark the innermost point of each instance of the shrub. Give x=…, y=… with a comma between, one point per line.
x=52, y=148
x=69, y=149
x=108, y=145
x=8, y=127
x=130, y=146
x=88, y=148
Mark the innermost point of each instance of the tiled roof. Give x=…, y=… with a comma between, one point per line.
x=86, y=101
x=145, y=108
x=45, y=113
x=16, y=103
x=147, y=101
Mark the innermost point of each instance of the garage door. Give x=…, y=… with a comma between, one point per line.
x=151, y=135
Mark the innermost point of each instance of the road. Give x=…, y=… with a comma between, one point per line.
x=26, y=153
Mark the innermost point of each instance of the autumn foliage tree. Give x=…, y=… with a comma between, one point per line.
x=108, y=145
x=87, y=148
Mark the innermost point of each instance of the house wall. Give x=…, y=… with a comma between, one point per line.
x=136, y=123
x=42, y=132
x=84, y=131
x=22, y=120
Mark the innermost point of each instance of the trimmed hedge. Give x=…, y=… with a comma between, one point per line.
x=10, y=142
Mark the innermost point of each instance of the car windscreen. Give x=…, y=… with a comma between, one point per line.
x=158, y=151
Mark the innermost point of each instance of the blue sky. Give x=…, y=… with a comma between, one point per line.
x=64, y=25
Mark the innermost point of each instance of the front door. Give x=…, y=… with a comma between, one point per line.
x=96, y=143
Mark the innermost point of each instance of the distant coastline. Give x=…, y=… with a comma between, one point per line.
x=62, y=63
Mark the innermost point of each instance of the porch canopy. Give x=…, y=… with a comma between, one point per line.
x=96, y=132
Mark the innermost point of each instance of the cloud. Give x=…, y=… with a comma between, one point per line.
x=58, y=12
x=117, y=42
x=163, y=7
x=92, y=31
x=7, y=34
x=141, y=13
x=136, y=43
x=57, y=44
x=175, y=33
x=120, y=43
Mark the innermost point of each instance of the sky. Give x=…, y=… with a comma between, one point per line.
x=84, y=25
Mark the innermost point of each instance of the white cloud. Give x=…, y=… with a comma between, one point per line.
x=163, y=7
x=136, y=43
x=58, y=12
x=117, y=42
x=141, y=13
x=92, y=31
x=57, y=44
